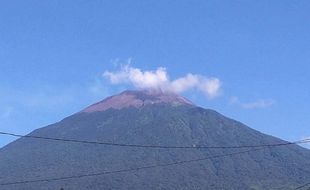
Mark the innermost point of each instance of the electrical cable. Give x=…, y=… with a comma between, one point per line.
x=302, y=186
x=132, y=170
x=126, y=170
x=153, y=146
x=258, y=147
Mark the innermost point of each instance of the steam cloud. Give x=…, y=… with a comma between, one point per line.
x=159, y=80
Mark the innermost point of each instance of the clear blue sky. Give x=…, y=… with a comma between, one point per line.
x=53, y=54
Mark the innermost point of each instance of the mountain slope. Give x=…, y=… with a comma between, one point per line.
x=168, y=121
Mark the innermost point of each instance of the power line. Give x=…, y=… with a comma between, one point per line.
x=127, y=170
x=305, y=185
x=132, y=169
x=154, y=146
x=144, y=167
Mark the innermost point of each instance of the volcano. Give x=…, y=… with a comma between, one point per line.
x=156, y=126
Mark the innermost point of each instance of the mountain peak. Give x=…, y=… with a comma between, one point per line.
x=131, y=98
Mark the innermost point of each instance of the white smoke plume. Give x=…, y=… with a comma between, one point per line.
x=159, y=80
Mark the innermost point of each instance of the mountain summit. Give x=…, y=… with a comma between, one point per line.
x=152, y=120
x=138, y=99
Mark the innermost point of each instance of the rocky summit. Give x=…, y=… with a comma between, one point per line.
x=137, y=99
x=158, y=124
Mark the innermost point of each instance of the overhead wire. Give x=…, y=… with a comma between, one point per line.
x=258, y=147
x=132, y=169
x=153, y=146
x=302, y=186
x=126, y=170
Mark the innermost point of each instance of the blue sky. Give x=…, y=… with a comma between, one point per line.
x=53, y=54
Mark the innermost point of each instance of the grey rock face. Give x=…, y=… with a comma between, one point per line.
x=152, y=124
